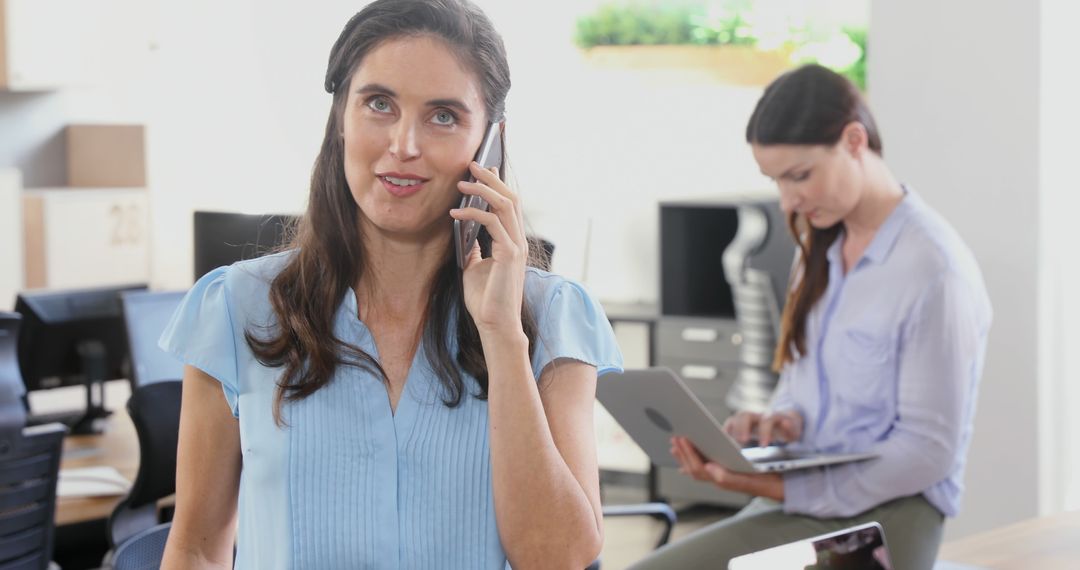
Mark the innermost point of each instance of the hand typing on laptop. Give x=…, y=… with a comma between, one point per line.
x=776, y=428
x=765, y=429
x=692, y=463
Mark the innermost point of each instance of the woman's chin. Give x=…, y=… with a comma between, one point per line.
x=820, y=222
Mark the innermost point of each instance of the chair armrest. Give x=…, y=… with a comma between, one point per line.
x=660, y=511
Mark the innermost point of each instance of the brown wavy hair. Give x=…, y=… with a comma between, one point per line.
x=328, y=257
x=810, y=105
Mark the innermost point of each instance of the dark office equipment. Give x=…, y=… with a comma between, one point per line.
x=155, y=411
x=724, y=273
x=692, y=239
x=29, y=467
x=223, y=238
x=70, y=338
x=146, y=314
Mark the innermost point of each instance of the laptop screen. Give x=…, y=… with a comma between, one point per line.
x=857, y=548
x=146, y=314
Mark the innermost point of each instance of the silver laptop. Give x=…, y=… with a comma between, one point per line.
x=858, y=548
x=653, y=404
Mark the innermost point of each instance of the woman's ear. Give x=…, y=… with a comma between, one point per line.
x=854, y=138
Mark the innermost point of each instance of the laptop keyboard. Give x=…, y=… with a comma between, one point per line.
x=770, y=454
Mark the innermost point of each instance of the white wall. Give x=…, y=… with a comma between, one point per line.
x=1059, y=200
x=238, y=113
x=955, y=87
x=11, y=230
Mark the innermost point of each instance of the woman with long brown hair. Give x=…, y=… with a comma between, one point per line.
x=881, y=346
x=358, y=401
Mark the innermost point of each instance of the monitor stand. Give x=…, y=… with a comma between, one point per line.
x=87, y=421
x=92, y=357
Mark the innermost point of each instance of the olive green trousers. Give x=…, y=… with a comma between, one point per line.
x=913, y=529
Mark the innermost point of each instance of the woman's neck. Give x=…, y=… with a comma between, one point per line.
x=881, y=194
x=398, y=274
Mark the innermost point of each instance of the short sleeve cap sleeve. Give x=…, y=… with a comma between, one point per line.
x=201, y=333
x=570, y=324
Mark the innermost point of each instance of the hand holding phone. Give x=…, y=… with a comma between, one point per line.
x=489, y=155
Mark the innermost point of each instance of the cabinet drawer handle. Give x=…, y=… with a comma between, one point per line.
x=699, y=372
x=693, y=334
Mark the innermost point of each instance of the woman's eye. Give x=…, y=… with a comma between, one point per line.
x=801, y=176
x=379, y=104
x=444, y=118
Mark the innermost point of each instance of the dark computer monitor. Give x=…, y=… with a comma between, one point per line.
x=70, y=338
x=146, y=314
x=223, y=238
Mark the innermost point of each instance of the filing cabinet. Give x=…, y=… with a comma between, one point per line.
x=724, y=270
x=705, y=352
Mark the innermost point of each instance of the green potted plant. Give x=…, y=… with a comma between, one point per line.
x=717, y=42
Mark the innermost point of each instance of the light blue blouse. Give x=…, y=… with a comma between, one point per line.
x=349, y=484
x=895, y=350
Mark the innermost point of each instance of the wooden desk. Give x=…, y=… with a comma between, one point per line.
x=1046, y=543
x=118, y=447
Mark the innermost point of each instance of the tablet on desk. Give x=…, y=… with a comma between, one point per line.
x=858, y=548
x=654, y=404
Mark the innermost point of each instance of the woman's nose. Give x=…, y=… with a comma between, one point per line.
x=789, y=200
x=404, y=142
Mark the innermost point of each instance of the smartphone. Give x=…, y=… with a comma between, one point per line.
x=489, y=155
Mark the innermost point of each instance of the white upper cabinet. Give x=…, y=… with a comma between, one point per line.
x=49, y=44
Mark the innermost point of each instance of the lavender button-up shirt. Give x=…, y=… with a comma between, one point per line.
x=894, y=354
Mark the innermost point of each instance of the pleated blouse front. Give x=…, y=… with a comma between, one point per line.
x=348, y=483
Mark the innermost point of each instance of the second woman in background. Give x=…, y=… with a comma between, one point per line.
x=881, y=344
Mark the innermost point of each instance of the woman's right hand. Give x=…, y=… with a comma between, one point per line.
x=783, y=426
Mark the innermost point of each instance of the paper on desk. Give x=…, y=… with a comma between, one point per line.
x=91, y=482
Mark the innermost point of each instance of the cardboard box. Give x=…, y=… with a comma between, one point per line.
x=106, y=156
x=85, y=238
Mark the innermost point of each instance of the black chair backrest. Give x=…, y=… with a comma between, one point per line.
x=143, y=551
x=12, y=409
x=155, y=411
x=28, y=473
x=29, y=466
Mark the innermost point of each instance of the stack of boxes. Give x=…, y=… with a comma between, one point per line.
x=93, y=231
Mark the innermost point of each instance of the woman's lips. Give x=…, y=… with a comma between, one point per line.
x=402, y=190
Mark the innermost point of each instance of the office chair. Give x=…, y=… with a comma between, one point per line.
x=144, y=550
x=29, y=467
x=155, y=411
x=659, y=511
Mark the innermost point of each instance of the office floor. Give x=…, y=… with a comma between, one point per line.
x=629, y=539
